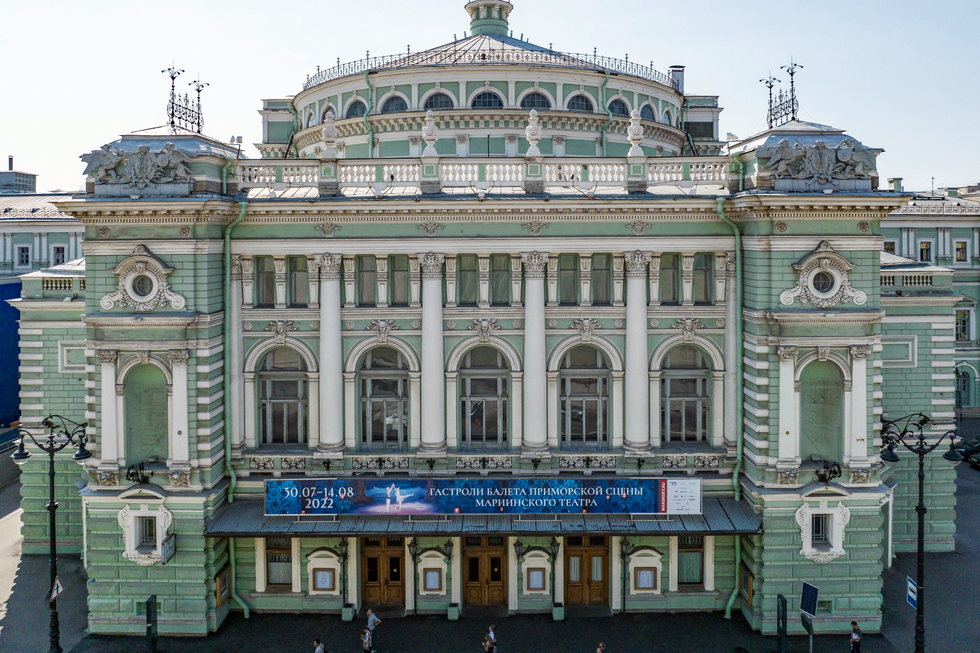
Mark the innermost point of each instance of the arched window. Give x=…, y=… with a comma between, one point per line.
x=619, y=108
x=535, y=101
x=646, y=113
x=328, y=109
x=356, y=110
x=584, y=379
x=822, y=412
x=963, y=389
x=487, y=100
x=394, y=104
x=580, y=103
x=684, y=395
x=667, y=119
x=146, y=415
x=383, y=379
x=438, y=101
x=483, y=392
x=283, y=397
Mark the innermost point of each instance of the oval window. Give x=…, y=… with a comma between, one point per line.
x=142, y=285
x=823, y=282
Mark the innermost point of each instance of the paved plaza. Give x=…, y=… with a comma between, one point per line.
x=951, y=586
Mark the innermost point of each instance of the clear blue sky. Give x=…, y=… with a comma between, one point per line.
x=899, y=75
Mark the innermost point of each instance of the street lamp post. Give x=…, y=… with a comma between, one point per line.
x=343, y=567
x=73, y=434
x=413, y=548
x=907, y=431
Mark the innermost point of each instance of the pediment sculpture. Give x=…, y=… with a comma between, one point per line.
x=139, y=169
x=819, y=164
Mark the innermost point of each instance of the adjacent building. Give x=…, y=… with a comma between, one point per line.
x=489, y=269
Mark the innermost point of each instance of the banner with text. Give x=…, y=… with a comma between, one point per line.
x=482, y=496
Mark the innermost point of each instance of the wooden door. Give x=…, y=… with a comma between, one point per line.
x=484, y=571
x=383, y=571
x=586, y=571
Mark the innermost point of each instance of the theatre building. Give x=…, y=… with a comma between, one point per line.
x=486, y=325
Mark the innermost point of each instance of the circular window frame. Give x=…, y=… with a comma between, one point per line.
x=834, y=289
x=131, y=291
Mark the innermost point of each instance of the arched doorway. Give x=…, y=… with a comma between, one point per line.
x=146, y=415
x=821, y=412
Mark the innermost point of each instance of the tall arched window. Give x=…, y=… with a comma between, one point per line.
x=483, y=398
x=383, y=379
x=283, y=397
x=356, y=110
x=667, y=118
x=394, y=104
x=963, y=388
x=146, y=415
x=535, y=101
x=487, y=100
x=684, y=395
x=619, y=108
x=438, y=101
x=584, y=379
x=646, y=113
x=580, y=103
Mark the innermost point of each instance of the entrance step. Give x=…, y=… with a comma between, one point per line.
x=587, y=611
x=483, y=612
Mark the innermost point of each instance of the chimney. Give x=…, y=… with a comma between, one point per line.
x=677, y=77
x=10, y=162
x=896, y=184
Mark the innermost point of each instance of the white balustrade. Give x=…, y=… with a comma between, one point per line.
x=611, y=174
x=460, y=174
x=356, y=174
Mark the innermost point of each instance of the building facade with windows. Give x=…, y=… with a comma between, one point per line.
x=487, y=263
x=942, y=230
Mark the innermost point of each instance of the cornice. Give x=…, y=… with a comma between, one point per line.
x=830, y=316
x=919, y=300
x=151, y=321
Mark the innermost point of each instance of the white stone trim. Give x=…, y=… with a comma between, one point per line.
x=151, y=506
x=323, y=560
x=535, y=559
x=432, y=561
x=642, y=558
x=840, y=515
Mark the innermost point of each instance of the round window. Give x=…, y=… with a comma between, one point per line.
x=143, y=285
x=823, y=282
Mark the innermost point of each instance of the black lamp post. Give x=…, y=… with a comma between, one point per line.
x=73, y=434
x=907, y=431
x=413, y=549
x=343, y=546
x=555, y=548
x=624, y=549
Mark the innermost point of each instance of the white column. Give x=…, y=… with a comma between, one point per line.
x=332, y=439
x=433, y=437
x=108, y=436
x=560, y=572
x=687, y=278
x=248, y=379
x=709, y=563
x=45, y=258
x=350, y=410
x=516, y=409
x=350, y=574
x=615, y=575
x=235, y=395
x=535, y=443
x=452, y=399
x=260, y=577
x=553, y=415
x=414, y=409
x=717, y=408
x=296, y=569
x=313, y=390
x=410, y=567
x=637, y=410
x=512, y=587
x=859, y=405
x=656, y=439
x=36, y=253
x=457, y=571
x=616, y=408
x=732, y=311
x=789, y=444
x=180, y=436
x=672, y=557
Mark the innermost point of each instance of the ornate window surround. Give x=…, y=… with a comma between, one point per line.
x=142, y=263
x=150, y=505
x=431, y=560
x=644, y=557
x=323, y=560
x=823, y=259
x=536, y=559
x=839, y=514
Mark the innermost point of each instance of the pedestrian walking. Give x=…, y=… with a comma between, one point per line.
x=373, y=622
x=366, y=642
x=601, y=648
x=487, y=644
x=492, y=634
x=855, y=638
x=318, y=647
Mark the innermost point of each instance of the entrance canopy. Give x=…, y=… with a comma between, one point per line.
x=721, y=516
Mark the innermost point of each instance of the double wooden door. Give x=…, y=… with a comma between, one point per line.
x=484, y=571
x=383, y=571
x=586, y=571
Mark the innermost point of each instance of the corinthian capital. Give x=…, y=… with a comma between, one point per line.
x=431, y=265
x=329, y=265
x=636, y=263
x=534, y=264
x=787, y=353
x=106, y=355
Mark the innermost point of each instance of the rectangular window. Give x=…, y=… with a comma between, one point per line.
x=23, y=257
x=645, y=579
x=820, y=531
x=468, y=280
x=601, y=279
x=702, y=278
x=568, y=279
x=59, y=256
x=961, y=251
x=399, y=280
x=147, y=532
x=690, y=560
x=669, y=278
x=433, y=580
x=746, y=583
x=535, y=580
x=925, y=251
x=265, y=281
x=279, y=560
x=500, y=280
x=367, y=281
x=888, y=246
x=323, y=580
x=962, y=325
x=299, y=281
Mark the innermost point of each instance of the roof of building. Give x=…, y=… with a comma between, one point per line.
x=893, y=262
x=935, y=204
x=74, y=268
x=721, y=516
x=32, y=206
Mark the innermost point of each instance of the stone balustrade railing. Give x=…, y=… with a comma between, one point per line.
x=484, y=174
